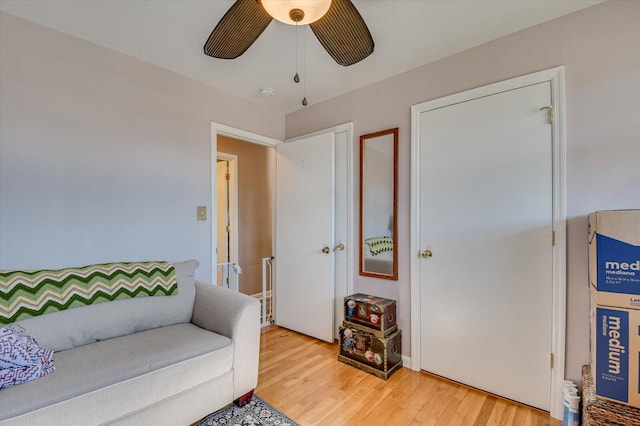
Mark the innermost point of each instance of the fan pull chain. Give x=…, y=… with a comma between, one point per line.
x=304, y=68
x=296, y=77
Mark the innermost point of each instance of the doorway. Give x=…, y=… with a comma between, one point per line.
x=245, y=193
x=227, y=221
x=342, y=279
x=488, y=221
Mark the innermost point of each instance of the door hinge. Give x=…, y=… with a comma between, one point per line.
x=551, y=360
x=227, y=176
x=549, y=110
x=228, y=228
x=553, y=238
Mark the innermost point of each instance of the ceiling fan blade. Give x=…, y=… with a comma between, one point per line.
x=237, y=30
x=343, y=33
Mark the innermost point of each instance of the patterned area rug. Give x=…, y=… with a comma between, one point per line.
x=255, y=413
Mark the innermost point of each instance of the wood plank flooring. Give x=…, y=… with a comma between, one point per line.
x=302, y=377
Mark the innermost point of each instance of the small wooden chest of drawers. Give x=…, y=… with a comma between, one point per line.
x=380, y=356
x=371, y=313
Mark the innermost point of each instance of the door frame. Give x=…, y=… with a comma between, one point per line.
x=558, y=305
x=233, y=203
x=246, y=136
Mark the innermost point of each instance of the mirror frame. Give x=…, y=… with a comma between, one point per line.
x=363, y=140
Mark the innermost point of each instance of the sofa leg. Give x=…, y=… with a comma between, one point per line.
x=244, y=399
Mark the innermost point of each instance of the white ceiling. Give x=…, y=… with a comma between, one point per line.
x=407, y=34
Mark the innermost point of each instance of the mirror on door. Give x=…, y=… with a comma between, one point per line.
x=378, y=204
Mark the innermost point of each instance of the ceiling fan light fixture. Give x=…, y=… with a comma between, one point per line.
x=292, y=12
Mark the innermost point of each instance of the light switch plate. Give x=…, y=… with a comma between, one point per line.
x=201, y=212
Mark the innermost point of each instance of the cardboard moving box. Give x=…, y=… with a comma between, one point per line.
x=614, y=258
x=615, y=353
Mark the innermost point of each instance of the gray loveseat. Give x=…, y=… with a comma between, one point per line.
x=142, y=361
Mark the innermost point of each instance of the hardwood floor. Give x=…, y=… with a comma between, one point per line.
x=302, y=377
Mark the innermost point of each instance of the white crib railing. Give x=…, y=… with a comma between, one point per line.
x=230, y=275
x=267, y=290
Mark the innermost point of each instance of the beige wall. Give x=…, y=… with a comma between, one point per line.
x=256, y=183
x=104, y=157
x=599, y=48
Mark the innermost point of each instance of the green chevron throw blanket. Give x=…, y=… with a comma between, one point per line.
x=378, y=245
x=25, y=294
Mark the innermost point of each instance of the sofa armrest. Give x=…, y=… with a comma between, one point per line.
x=236, y=316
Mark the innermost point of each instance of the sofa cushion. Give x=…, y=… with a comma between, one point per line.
x=83, y=325
x=130, y=372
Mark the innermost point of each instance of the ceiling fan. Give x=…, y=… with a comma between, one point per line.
x=336, y=23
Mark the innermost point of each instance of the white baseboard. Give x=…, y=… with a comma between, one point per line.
x=406, y=361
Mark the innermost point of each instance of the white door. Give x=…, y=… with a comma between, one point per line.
x=305, y=236
x=486, y=216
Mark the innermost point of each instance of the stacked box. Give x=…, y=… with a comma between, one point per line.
x=373, y=314
x=614, y=258
x=614, y=280
x=379, y=356
x=615, y=353
x=370, y=339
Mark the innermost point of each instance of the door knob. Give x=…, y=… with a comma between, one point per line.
x=339, y=247
x=426, y=254
x=326, y=250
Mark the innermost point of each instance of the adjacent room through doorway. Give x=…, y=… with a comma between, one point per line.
x=245, y=193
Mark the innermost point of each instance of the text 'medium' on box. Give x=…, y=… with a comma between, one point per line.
x=614, y=258
x=615, y=353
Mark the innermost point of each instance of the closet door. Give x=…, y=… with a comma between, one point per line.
x=486, y=221
x=305, y=236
